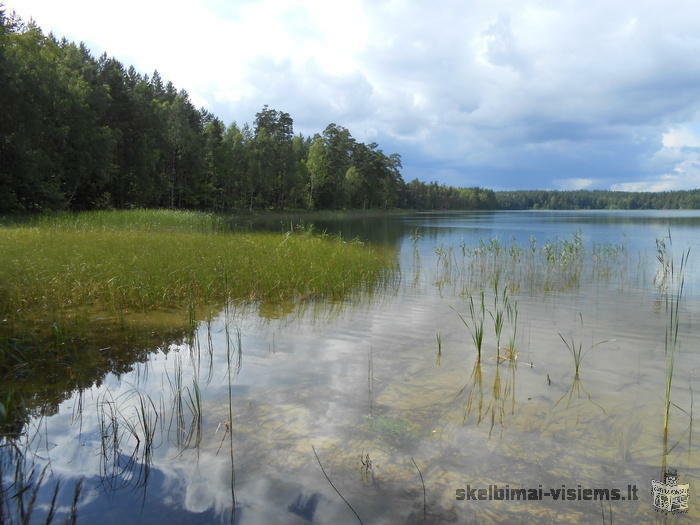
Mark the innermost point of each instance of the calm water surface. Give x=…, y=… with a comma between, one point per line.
x=221, y=425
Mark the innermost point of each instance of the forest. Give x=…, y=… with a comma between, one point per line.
x=597, y=200
x=80, y=133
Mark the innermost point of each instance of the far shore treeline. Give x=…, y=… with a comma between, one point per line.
x=597, y=200
x=80, y=133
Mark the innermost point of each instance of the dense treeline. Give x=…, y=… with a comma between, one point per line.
x=597, y=199
x=80, y=133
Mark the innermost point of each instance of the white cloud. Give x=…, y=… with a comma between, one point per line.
x=685, y=177
x=534, y=91
x=680, y=137
x=680, y=153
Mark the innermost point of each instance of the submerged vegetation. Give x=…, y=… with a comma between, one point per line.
x=116, y=263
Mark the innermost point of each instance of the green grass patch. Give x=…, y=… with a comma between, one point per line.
x=130, y=220
x=142, y=260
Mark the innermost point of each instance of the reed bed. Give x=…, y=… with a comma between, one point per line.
x=143, y=260
x=555, y=265
x=132, y=220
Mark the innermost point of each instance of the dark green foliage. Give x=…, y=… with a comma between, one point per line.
x=80, y=133
x=597, y=200
x=434, y=196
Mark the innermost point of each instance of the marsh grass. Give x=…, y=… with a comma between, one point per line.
x=76, y=266
x=132, y=425
x=498, y=316
x=670, y=282
x=504, y=315
x=476, y=322
x=555, y=265
x=19, y=499
x=512, y=317
x=132, y=220
x=186, y=419
x=577, y=352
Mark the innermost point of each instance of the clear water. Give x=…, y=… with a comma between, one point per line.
x=397, y=426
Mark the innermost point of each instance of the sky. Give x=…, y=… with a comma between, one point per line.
x=502, y=94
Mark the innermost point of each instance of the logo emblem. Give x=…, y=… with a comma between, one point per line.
x=668, y=495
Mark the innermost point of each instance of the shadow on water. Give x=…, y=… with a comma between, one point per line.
x=386, y=229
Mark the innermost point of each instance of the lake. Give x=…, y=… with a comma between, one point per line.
x=382, y=408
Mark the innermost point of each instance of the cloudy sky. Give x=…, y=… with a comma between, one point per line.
x=505, y=94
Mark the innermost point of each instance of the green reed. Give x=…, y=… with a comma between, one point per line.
x=512, y=315
x=477, y=314
x=498, y=313
x=558, y=264
x=670, y=281
x=63, y=266
x=136, y=219
x=18, y=499
x=577, y=351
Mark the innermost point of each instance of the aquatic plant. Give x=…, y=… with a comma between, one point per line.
x=438, y=357
x=498, y=313
x=512, y=315
x=318, y=460
x=140, y=219
x=392, y=429
x=19, y=499
x=476, y=326
x=422, y=482
x=577, y=352
x=81, y=265
x=670, y=281
x=553, y=265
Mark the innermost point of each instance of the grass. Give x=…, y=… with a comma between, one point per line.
x=512, y=315
x=670, y=281
x=124, y=261
x=132, y=220
x=498, y=314
x=577, y=352
x=555, y=265
x=476, y=326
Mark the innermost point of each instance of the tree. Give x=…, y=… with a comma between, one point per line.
x=317, y=167
x=339, y=144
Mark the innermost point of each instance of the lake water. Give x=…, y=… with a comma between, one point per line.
x=379, y=409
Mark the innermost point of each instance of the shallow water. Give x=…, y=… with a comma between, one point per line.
x=221, y=425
